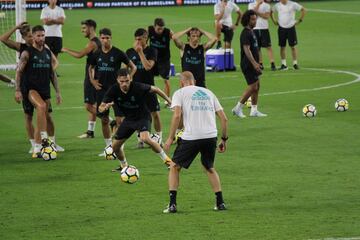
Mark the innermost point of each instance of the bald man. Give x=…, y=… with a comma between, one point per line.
x=197, y=106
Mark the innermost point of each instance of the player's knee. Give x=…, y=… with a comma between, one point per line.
x=41, y=107
x=145, y=138
x=28, y=117
x=105, y=120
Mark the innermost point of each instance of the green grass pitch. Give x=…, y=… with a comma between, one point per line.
x=283, y=177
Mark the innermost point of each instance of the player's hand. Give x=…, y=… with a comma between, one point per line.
x=22, y=24
x=222, y=146
x=96, y=84
x=64, y=49
x=58, y=99
x=257, y=67
x=167, y=145
x=138, y=48
x=108, y=105
x=18, y=96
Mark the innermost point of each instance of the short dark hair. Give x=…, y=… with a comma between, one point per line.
x=159, y=22
x=105, y=31
x=123, y=72
x=245, y=19
x=140, y=32
x=192, y=30
x=89, y=23
x=38, y=28
x=25, y=30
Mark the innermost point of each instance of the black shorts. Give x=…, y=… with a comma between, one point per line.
x=187, y=150
x=99, y=98
x=152, y=102
x=228, y=33
x=89, y=92
x=28, y=107
x=251, y=76
x=162, y=69
x=288, y=34
x=263, y=37
x=54, y=43
x=128, y=127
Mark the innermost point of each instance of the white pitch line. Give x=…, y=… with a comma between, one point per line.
x=332, y=11
x=264, y=94
x=340, y=238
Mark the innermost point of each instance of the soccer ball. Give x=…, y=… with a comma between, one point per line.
x=248, y=102
x=341, y=105
x=49, y=153
x=156, y=138
x=129, y=174
x=309, y=110
x=109, y=153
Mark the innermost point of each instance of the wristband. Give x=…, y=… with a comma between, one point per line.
x=224, y=138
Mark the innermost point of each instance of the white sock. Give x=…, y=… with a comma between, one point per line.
x=253, y=108
x=283, y=62
x=108, y=141
x=162, y=155
x=52, y=138
x=91, y=125
x=43, y=134
x=295, y=62
x=32, y=141
x=160, y=134
x=37, y=147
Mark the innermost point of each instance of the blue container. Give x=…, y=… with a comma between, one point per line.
x=220, y=60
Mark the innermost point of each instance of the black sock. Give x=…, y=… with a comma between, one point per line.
x=273, y=64
x=219, y=198
x=172, y=195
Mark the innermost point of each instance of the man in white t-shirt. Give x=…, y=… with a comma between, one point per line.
x=197, y=107
x=286, y=32
x=261, y=29
x=53, y=17
x=223, y=21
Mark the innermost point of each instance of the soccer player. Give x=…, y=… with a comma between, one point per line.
x=193, y=53
x=130, y=97
x=160, y=37
x=36, y=69
x=88, y=28
x=223, y=21
x=144, y=57
x=287, y=32
x=250, y=66
x=53, y=17
x=197, y=107
x=103, y=70
x=261, y=30
x=28, y=108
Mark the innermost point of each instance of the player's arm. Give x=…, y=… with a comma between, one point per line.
x=175, y=121
x=251, y=58
x=176, y=38
x=90, y=47
x=224, y=126
x=132, y=68
x=219, y=13
x=273, y=17
x=24, y=58
x=107, y=101
x=105, y=106
x=265, y=15
x=211, y=39
x=159, y=92
x=54, y=61
x=5, y=38
x=239, y=15
x=94, y=81
x=148, y=64
x=55, y=82
x=302, y=15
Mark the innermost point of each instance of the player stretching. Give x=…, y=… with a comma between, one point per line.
x=37, y=65
x=88, y=28
x=193, y=53
x=250, y=66
x=144, y=57
x=160, y=37
x=28, y=108
x=103, y=73
x=130, y=97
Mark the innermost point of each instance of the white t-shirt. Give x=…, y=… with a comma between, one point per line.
x=261, y=23
x=55, y=29
x=226, y=19
x=286, y=13
x=198, y=109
